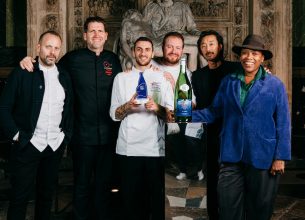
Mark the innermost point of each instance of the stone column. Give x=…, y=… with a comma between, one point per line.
x=272, y=20
x=43, y=15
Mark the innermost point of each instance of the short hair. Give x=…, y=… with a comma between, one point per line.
x=172, y=34
x=143, y=39
x=49, y=32
x=218, y=37
x=93, y=19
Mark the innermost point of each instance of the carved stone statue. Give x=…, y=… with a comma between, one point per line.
x=158, y=18
x=133, y=26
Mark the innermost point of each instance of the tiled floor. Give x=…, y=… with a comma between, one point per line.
x=185, y=200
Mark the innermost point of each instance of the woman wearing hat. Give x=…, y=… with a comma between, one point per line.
x=255, y=137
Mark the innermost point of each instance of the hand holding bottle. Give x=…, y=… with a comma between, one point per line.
x=170, y=116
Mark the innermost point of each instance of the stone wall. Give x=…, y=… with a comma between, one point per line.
x=45, y=15
x=229, y=17
x=272, y=19
x=234, y=19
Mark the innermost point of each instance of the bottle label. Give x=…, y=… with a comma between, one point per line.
x=184, y=87
x=184, y=108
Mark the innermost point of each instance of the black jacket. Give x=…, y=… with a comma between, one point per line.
x=92, y=78
x=205, y=83
x=21, y=101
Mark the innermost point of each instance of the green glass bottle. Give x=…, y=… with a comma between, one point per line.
x=183, y=96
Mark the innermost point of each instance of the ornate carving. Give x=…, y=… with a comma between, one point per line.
x=211, y=8
x=52, y=5
x=78, y=43
x=197, y=9
x=238, y=15
x=267, y=18
x=78, y=32
x=267, y=25
x=267, y=30
x=52, y=22
x=78, y=17
x=99, y=7
x=78, y=25
x=77, y=3
x=267, y=2
x=51, y=2
x=239, y=25
x=108, y=8
x=237, y=39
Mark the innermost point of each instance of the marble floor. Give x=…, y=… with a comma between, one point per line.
x=185, y=200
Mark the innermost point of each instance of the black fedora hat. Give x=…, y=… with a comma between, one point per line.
x=253, y=42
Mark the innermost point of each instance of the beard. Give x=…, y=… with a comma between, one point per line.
x=48, y=61
x=172, y=61
x=212, y=59
x=143, y=63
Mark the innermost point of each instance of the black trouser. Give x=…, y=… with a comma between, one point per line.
x=189, y=151
x=212, y=175
x=142, y=187
x=245, y=192
x=89, y=161
x=28, y=165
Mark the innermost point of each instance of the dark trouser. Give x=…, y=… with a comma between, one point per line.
x=89, y=161
x=27, y=165
x=212, y=175
x=189, y=151
x=245, y=192
x=142, y=187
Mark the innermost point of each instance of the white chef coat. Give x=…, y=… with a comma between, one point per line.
x=141, y=132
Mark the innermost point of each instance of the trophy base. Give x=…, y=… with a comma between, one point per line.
x=141, y=101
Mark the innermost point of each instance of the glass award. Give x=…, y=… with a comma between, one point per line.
x=141, y=90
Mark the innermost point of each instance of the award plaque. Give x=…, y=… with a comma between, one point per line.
x=141, y=90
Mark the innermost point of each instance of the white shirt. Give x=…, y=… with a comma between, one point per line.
x=47, y=131
x=174, y=71
x=141, y=132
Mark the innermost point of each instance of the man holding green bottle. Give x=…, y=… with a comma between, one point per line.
x=185, y=142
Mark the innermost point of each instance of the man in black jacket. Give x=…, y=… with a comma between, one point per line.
x=92, y=71
x=205, y=82
x=36, y=114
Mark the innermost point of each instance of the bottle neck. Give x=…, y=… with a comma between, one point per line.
x=183, y=66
